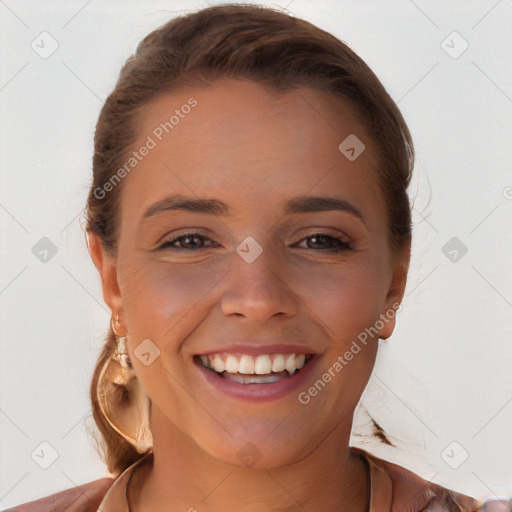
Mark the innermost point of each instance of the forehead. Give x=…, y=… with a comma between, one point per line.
x=254, y=146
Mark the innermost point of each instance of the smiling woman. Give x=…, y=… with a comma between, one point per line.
x=253, y=250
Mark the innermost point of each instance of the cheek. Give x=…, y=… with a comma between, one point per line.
x=346, y=298
x=346, y=304
x=161, y=300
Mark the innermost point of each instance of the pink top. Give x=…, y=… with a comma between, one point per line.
x=393, y=489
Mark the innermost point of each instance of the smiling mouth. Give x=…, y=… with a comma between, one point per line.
x=260, y=369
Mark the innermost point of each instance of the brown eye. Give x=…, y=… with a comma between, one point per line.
x=324, y=242
x=186, y=242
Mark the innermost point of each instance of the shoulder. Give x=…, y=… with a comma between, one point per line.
x=408, y=492
x=83, y=498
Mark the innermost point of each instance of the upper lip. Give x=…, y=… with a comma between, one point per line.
x=256, y=348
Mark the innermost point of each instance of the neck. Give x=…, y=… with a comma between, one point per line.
x=330, y=479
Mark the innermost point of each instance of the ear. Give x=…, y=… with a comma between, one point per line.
x=105, y=262
x=396, y=291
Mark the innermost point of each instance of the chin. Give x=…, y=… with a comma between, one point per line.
x=260, y=444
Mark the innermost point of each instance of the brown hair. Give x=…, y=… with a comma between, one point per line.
x=251, y=42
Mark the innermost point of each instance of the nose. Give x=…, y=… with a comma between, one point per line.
x=257, y=290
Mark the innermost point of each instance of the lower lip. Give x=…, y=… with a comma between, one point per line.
x=260, y=392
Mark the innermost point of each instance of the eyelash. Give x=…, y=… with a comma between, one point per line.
x=341, y=245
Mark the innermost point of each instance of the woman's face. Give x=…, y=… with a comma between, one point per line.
x=266, y=272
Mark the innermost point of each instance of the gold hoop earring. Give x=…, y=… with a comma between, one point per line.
x=121, y=396
x=121, y=353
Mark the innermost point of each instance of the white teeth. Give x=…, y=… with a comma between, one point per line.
x=290, y=364
x=278, y=365
x=254, y=379
x=217, y=364
x=231, y=364
x=263, y=364
x=246, y=365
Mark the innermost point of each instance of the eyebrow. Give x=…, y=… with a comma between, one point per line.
x=212, y=206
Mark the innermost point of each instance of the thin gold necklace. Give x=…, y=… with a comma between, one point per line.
x=146, y=459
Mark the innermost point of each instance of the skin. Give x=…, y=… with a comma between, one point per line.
x=254, y=150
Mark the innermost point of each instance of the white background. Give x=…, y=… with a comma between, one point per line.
x=444, y=376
